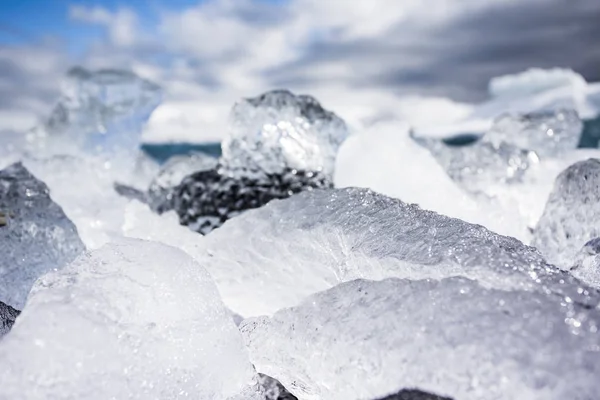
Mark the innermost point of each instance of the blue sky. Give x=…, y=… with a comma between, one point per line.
x=337, y=49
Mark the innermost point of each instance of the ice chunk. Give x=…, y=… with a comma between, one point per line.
x=386, y=160
x=102, y=110
x=161, y=190
x=587, y=263
x=479, y=165
x=206, y=199
x=548, y=133
x=274, y=256
x=35, y=235
x=279, y=130
x=131, y=320
x=84, y=188
x=8, y=315
x=365, y=339
x=570, y=215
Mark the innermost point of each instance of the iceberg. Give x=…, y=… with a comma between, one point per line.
x=35, y=234
x=365, y=339
x=274, y=256
x=131, y=320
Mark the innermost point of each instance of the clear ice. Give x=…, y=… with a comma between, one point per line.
x=570, y=217
x=35, y=234
x=131, y=320
x=514, y=144
x=100, y=111
x=274, y=256
x=587, y=263
x=161, y=190
x=453, y=337
x=280, y=130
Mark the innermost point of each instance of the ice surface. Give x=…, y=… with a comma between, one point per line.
x=570, y=215
x=587, y=263
x=101, y=111
x=365, y=339
x=8, y=315
x=279, y=130
x=131, y=320
x=160, y=193
x=274, y=256
x=84, y=188
x=35, y=235
x=206, y=199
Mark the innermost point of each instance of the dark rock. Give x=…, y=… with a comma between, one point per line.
x=414, y=394
x=274, y=390
x=8, y=315
x=206, y=199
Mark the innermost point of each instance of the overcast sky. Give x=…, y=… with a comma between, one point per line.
x=225, y=49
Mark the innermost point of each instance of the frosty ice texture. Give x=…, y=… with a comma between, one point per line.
x=274, y=256
x=547, y=133
x=587, y=263
x=571, y=213
x=131, y=320
x=280, y=130
x=8, y=315
x=102, y=110
x=161, y=190
x=514, y=144
x=35, y=235
x=365, y=339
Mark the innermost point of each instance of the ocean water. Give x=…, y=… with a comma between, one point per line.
x=161, y=152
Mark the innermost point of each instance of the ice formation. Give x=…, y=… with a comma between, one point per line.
x=274, y=256
x=161, y=190
x=35, y=235
x=365, y=339
x=279, y=130
x=548, y=134
x=8, y=315
x=206, y=199
x=101, y=111
x=131, y=320
x=587, y=263
x=84, y=188
x=570, y=215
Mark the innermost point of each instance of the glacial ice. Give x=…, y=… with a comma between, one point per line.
x=365, y=339
x=100, y=112
x=35, y=235
x=8, y=315
x=547, y=133
x=131, y=320
x=274, y=256
x=161, y=190
x=570, y=214
x=587, y=263
x=84, y=188
x=279, y=130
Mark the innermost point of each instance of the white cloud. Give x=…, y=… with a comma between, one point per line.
x=122, y=25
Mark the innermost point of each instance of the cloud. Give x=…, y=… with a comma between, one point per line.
x=355, y=56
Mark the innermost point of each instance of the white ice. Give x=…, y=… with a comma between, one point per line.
x=131, y=320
